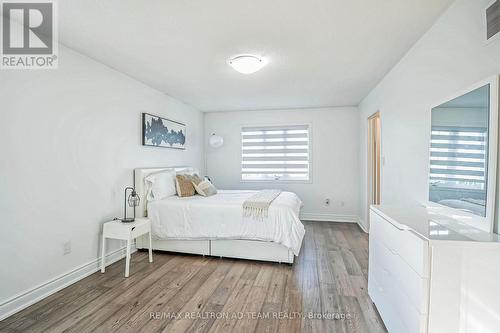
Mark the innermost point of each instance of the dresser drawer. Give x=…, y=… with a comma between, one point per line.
x=402, y=312
x=387, y=311
x=412, y=285
x=402, y=242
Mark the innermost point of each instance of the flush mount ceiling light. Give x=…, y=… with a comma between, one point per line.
x=247, y=64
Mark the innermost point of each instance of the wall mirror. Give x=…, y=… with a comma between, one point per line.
x=463, y=156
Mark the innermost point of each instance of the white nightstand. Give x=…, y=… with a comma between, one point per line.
x=125, y=231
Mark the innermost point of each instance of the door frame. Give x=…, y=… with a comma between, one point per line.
x=374, y=161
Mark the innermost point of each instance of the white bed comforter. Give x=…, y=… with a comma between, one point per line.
x=221, y=217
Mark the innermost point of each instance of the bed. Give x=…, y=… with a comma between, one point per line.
x=215, y=225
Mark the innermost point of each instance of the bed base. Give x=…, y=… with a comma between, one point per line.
x=240, y=249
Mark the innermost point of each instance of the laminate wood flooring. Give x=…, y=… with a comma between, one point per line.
x=324, y=291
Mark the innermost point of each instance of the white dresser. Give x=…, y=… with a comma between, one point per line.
x=429, y=272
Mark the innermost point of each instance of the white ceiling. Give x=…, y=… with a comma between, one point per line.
x=321, y=52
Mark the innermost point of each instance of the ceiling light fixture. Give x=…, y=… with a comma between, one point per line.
x=247, y=64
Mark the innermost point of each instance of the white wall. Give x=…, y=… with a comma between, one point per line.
x=451, y=56
x=70, y=139
x=334, y=151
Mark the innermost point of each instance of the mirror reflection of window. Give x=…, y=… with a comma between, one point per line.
x=459, y=152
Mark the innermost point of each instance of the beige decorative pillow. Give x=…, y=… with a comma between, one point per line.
x=205, y=188
x=184, y=184
x=196, y=179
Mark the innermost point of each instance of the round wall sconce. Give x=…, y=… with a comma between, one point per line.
x=216, y=141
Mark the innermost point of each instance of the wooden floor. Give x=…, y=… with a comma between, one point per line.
x=182, y=293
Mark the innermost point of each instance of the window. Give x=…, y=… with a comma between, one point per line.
x=458, y=157
x=275, y=153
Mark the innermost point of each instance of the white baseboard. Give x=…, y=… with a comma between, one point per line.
x=362, y=225
x=27, y=298
x=329, y=217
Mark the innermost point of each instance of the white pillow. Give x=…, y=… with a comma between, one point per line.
x=160, y=185
x=205, y=188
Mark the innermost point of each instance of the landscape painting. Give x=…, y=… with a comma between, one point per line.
x=161, y=132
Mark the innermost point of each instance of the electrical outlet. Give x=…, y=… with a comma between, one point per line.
x=67, y=247
x=327, y=201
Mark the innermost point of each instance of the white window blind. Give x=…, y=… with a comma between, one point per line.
x=458, y=156
x=275, y=153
